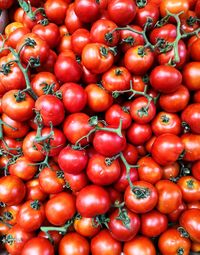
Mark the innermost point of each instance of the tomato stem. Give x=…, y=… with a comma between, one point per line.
x=123, y=216
x=100, y=220
x=183, y=232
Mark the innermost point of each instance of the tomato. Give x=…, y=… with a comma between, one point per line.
x=74, y=244
x=191, y=77
x=172, y=242
x=75, y=126
x=65, y=43
x=139, y=245
x=138, y=134
x=72, y=160
x=138, y=59
x=23, y=169
x=67, y=65
x=167, y=148
x=166, y=123
x=195, y=50
x=101, y=32
x=169, y=196
x=142, y=111
x=18, y=105
x=187, y=24
x=192, y=146
x=116, y=78
x=166, y=32
x=92, y=200
x=56, y=10
x=63, y=206
x=51, y=181
x=38, y=245
x=190, y=220
x=171, y=171
x=121, y=12
x=20, y=237
x=16, y=35
x=20, y=128
x=55, y=235
x=9, y=214
x=104, y=244
x=108, y=143
x=48, y=32
x=190, y=188
x=35, y=49
x=34, y=191
x=153, y=223
x=98, y=99
x=176, y=101
x=76, y=182
x=196, y=170
x=31, y=22
x=12, y=190
x=126, y=227
x=51, y=109
x=5, y=4
x=79, y=39
x=174, y=7
x=141, y=198
x=169, y=79
x=149, y=170
x=89, y=7
x=12, y=27
x=48, y=66
x=130, y=153
x=190, y=116
x=72, y=21
x=88, y=77
x=149, y=11
x=29, y=149
x=102, y=171
x=196, y=97
x=97, y=58
x=175, y=215
x=86, y=227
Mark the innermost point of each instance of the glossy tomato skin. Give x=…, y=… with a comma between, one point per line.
x=38, y=245
x=121, y=12
x=130, y=153
x=139, y=245
x=108, y=143
x=85, y=227
x=149, y=170
x=72, y=21
x=74, y=244
x=51, y=109
x=174, y=7
x=92, y=201
x=191, y=75
x=171, y=171
x=142, y=204
x=63, y=206
x=166, y=149
x=79, y=39
x=153, y=223
x=166, y=32
x=102, y=172
x=169, y=196
x=12, y=190
x=104, y=244
x=72, y=161
x=19, y=234
x=138, y=134
x=190, y=188
x=76, y=182
x=118, y=229
x=196, y=170
x=192, y=146
x=175, y=215
x=169, y=79
x=34, y=191
x=176, y=101
x=191, y=116
x=171, y=241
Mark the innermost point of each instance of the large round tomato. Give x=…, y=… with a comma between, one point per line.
x=38, y=245
x=191, y=75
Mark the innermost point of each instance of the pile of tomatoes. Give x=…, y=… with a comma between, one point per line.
x=100, y=127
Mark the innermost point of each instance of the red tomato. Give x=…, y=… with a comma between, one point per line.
x=174, y=7
x=38, y=245
x=79, y=39
x=76, y=182
x=190, y=188
x=138, y=134
x=192, y=146
x=86, y=227
x=72, y=21
x=191, y=117
x=191, y=75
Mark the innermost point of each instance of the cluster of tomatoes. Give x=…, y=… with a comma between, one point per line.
x=100, y=127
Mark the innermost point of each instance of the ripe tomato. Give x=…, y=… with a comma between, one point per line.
x=169, y=196
x=196, y=170
x=104, y=244
x=153, y=223
x=79, y=39
x=130, y=153
x=192, y=146
x=167, y=32
x=72, y=244
x=92, y=200
x=16, y=35
x=172, y=242
x=138, y=134
x=102, y=171
x=72, y=21
x=190, y=188
x=191, y=75
x=139, y=245
x=9, y=214
x=190, y=220
x=124, y=224
x=141, y=198
x=165, y=79
x=171, y=171
x=191, y=116
x=121, y=12
x=174, y=7
x=38, y=245
x=72, y=161
x=149, y=170
x=175, y=215
x=63, y=207
x=34, y=191
x=6, y=4
x=167, y=148
x=86, y=227
x=12, y=190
